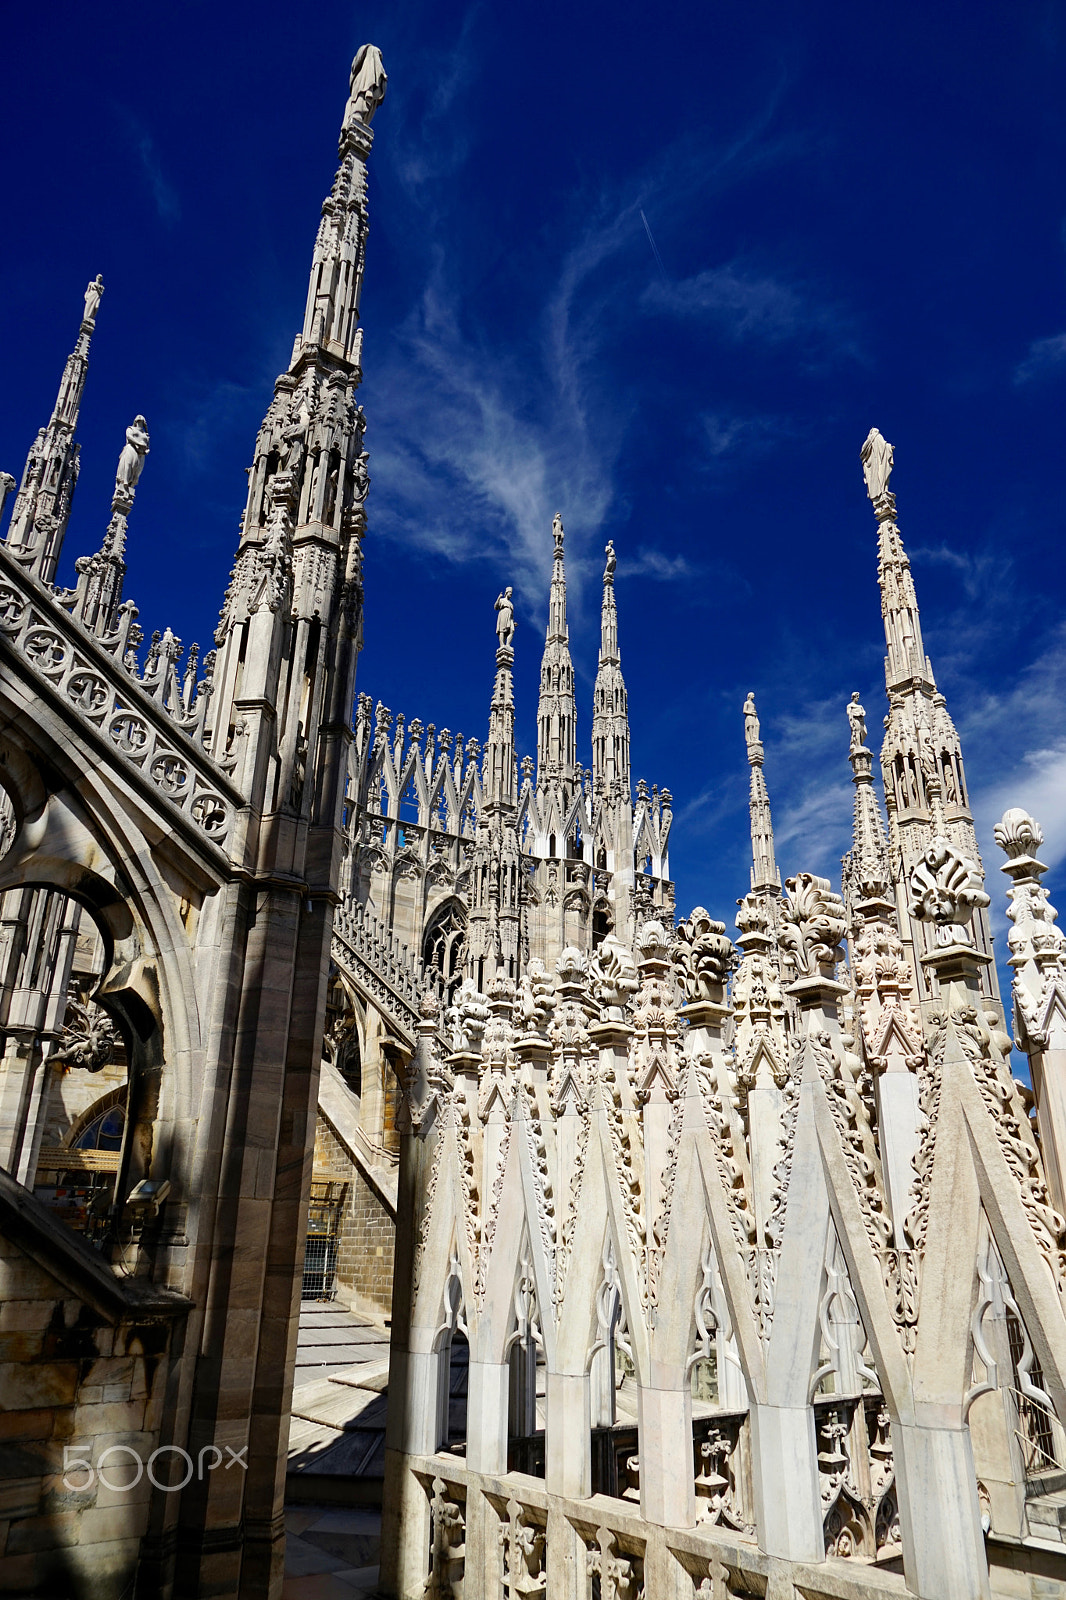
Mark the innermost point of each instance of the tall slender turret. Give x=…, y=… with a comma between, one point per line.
x=921, y=757
x=493, y=939
x=498, y=765
x=610, y=713
x=291, y=622
x=765, y=878
x=42, y=506
x=557, y=709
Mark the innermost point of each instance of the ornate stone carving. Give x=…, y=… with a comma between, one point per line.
x=702, y=956
x=614, y=977
x=813, y=926
x=946, y=887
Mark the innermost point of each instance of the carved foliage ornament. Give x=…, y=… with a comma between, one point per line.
x=814, y=924
x=703, y=957
x=946, y=887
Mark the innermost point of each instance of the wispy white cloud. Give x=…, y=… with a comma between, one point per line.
x=744, y=303
x=164, y=195
x=1045, y=357
x=731, y=436
x=479, y=453
x=656, y=564
x=814, y=831
x=1015, y=747
x=981, y=570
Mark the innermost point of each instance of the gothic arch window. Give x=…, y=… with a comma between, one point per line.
x=442, y=945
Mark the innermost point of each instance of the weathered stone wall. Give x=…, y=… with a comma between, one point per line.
x=367, y=1247
x=73, y=1387
x=367, y=1239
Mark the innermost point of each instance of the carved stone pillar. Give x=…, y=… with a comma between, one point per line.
x=414, y=1366
x=568, y=1435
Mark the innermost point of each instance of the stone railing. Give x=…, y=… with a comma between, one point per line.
x=518, y=1540
x=153, y=722
x=378, y=962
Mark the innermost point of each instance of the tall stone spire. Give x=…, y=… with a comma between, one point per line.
x=291, y=624
x=921, y=757
x=42, y=506
x=557, y=709
x=765, y=878
x=498, y=765
x=867, y=873
x=610, y=712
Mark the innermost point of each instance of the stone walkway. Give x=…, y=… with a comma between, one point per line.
x=336, y=1455
x=337, y=1433
x=331, y=1553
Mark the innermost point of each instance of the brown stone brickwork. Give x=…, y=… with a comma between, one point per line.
x=367, y=1238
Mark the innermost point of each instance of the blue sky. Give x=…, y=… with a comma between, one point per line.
x=860, y=218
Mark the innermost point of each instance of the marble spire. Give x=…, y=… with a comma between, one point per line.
x=921, y=757
x=557, y=708
x=498, y=762
x=867, y=872
x=610, y=713
x=42, y=506
x=291, y=623
x=765, y=878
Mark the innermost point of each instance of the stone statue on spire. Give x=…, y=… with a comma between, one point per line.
x=876, y=456
x=608, y=571
x=131, y=461
x=93, y=295
x=368, y=83
x=751, y=722
x=505, y=619
x=557, y=531
x=857, y=722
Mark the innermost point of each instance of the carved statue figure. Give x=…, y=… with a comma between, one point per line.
x=612, y=562
x=557, y=530
x=751, y=720
x=857, y=719
x=876, y=456
x=92, y=298
x=368, y=82
x=131, y=461
x=505, y=618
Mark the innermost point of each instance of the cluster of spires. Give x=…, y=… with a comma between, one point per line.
x=38, y=526
x=922, y=767
x=558, y=771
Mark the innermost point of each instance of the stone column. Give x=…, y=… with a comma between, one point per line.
x=943, y=1541
x=1038, y=956
x=785, y=1475
x=413, y=1363
x=568, y=1435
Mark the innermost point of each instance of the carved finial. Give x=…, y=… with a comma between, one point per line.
x=1019, y=835
x=946, y=887
x=702, y=955
x=1033, y=936
x=814, y=924
x=614, y=976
